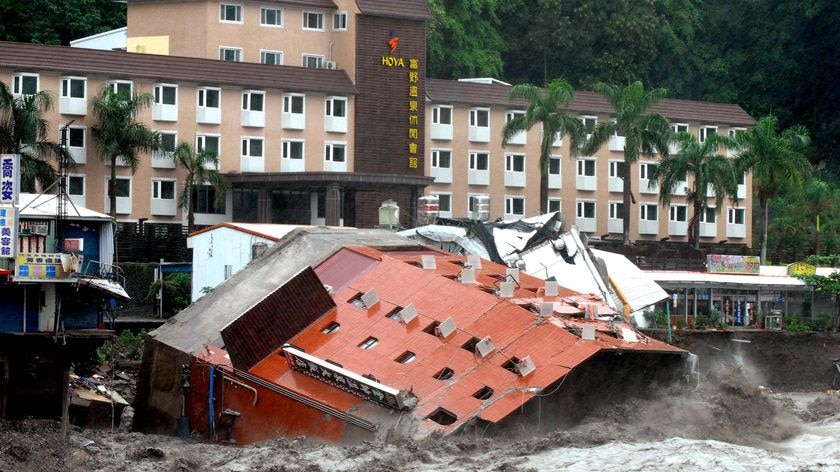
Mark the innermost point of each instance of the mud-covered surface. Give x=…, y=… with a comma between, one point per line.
x=724, y=412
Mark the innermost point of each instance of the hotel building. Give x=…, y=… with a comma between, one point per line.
x=320, y=110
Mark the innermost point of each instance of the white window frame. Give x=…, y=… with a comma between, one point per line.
x=237, y=52
x=583, y=164
x=319, y=60
x=247, y=100
x=264, y=53
x=706, y=212
x=680, y=127
x=586, y=118
x=84, y=185
x=673, y=213
x=286, y=148
x=444, y=210
x=307, y=14
x=474, y=160
x=732, y=213
x=329, y=151
x=704, y=132
x=436, y=158
x=17, y=83
x=201, y=96
x=510, y=201
x=474, y=114
x=163, y=158
x=645, y=212
x=201, y=142
x=157, y=189
x=511, y=161
x=329, y=106
x=436, y=116
x=115, y=86
x=279, y=16
x=582, y=205
x=238, y=13
x=292, y=119
x=246, y=145
x=68, y=80
x=158, y=94
x=616, y=211
x=340, y=21
x=552, y=202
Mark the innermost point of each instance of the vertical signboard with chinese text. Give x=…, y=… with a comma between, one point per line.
x=9, y=179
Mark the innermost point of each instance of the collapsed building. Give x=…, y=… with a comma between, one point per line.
x=349, y=335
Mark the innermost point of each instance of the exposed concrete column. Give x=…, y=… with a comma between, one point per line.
x=264, y=206
x=332, y=210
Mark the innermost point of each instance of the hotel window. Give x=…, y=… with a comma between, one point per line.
x=480, y=118
x=479, y=161
x=313, y=21
x=554, y=165
x=678, y=213
x=555, y=204
x=252, y=147
x=76, y=185
x=122, y=187
x=271, y=16
x=336, y=107
x=207, y=142
x=123, y=88
x=274, y=58
x=253, y=101
x=293, y=104
x=646, y=170
x=25, y=84
x=515, y=206
x=442, y=159
x=166, y=94
x=230, y=54
x=208, y=97
x=230, y=12
x=167, y=142
x=708, y=215
x=73, y=87
x=334, y=152
x=163, y=189
x=76, y=137
x=442, y=115
x=444, y=202
x=707, y=131
x=736, y=216
x=340, y=21
x=292, y=150
x=589, y=123
x=648, y=212
x=313, y=61
x=616, y=169
x=204, y=201
x=733, y=132
x=679, y=128
x=616, y=210
x=585, y=209
x=586, y=167
x=515, y=162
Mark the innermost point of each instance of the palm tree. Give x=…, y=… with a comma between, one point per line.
x=201, y=168
x=709, y=172
x=118, y=135
x=645, y=132
x=24, y=131
x=774, y=159
x=544, y=109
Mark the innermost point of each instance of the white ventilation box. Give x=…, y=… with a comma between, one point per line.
x=446, y=328
x=546, y=309
x=551, y=288
x=588, y=333
x=408, y=313
x=506, y=290
x=428, y=261
x=468, y=276
x=370, y=298
x=512, y=273
x=525, y=366
x=484, y=347
x=474, y=261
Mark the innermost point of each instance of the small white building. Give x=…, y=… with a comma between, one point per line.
x=114, y=40
x=224, y=249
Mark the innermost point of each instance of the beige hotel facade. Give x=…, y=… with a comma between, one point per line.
x=320, y=110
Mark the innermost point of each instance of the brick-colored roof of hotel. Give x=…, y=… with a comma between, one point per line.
x=25, y=57
x=305, y=3
x=414, y=9
x=479, y=94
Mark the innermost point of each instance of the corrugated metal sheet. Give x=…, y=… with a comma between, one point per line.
x=275, y=319
x=636, y=288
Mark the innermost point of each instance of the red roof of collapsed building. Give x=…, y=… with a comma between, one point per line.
x=428, y=359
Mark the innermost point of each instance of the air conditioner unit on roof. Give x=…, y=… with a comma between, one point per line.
x=329, y=64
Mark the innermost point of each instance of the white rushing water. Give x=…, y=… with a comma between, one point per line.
x=816, y=449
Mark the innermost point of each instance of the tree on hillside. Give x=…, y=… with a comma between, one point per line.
x=119, y=136
x=544, y=109
x=774, y=159
x=645, y=132
x=58, y=21
x=464, y=40
x=201, y=168
x=24, y=131
x=705, y=170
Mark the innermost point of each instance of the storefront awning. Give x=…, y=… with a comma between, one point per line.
x=670, y=279
x=108, y=286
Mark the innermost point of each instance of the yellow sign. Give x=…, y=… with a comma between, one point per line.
x=798, y=269
x=43, y=266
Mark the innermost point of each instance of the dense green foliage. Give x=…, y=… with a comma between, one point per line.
x=58, y=21
x=126, y=346
x=177, y=292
